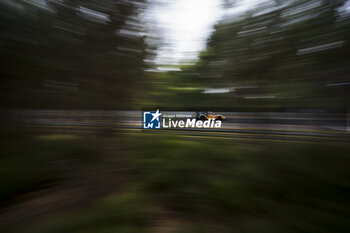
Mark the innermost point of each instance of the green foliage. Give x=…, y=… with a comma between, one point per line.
x=248, y=188
x=27, y=165
x=207, y=185
x=125, y=213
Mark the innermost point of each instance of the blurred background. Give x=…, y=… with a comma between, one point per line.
x=76, y=75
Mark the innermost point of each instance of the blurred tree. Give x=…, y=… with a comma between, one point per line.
x=71, y=53
x=229, y=3
x=280, y=54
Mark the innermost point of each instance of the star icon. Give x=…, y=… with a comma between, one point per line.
x=156, y=116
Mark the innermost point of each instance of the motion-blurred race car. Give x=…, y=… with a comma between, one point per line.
x=209, y=115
